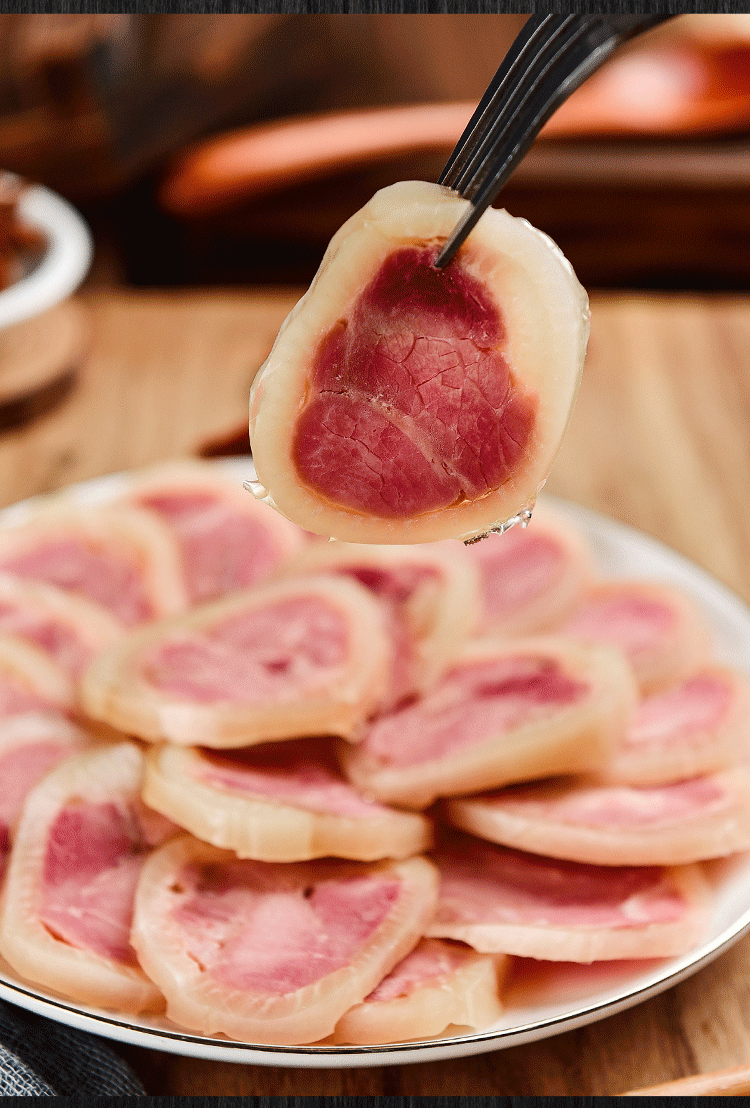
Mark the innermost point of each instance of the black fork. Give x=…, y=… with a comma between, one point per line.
x=549, y=59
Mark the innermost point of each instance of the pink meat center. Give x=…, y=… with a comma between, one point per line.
x=634, y=623
x=516, y=568
x=412, y=406
x=20, y=770
x=474, y=703
x=101, y=575
x=17, y=697
x=409, y=593
x=296, y=772
x=430, y=961
x=616, y=807
x=689, y=712
x=93, y=860
x=497, y=885
x=222, y=549
x=57, y=638
x=274, y=652
x=254, y=931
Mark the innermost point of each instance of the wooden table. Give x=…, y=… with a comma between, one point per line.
x=659, y=439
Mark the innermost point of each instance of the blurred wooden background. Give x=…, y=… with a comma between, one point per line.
x=100, y=106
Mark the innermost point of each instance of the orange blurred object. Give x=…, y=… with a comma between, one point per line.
x=684, y=86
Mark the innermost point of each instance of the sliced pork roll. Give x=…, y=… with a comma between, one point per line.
x=532, y=577
x=657, y=627
x=432, y=595
x=280, y=661
x=278, y=802
x=439, y=985
x=632, y=825
x=273, y=953
x=699, y=725
x=67, y=626
x=30, y=745
x=227, y=539
x=402, y=403
x=121, y=558
x=30, y=680
x=78, y=849
x=502, y=900
x=506, y=711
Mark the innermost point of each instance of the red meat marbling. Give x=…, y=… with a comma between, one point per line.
x=30, y=745
x=471, y=703
x=682, y=821
x=500, y=899
x=93, y=859
x=300, y=772
x=251, y=657
x=410, y=416
x=292, y=658
x=275, y=940
x=508, y=710
x=79, y=845
x=273, y=953
x=222, y=549
x=99, y=575
x=277, y=802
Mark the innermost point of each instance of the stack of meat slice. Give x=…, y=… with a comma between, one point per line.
x=226, y=539
x=356, y=779
x=274, y=953
x=531, y=577
x=79, y=846
x=288, y=659
x=431, y=594
x=123, y=559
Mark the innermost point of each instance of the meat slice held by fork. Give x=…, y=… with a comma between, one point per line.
x=402, y=403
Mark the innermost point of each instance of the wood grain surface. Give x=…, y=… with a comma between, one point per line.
x=659, y=439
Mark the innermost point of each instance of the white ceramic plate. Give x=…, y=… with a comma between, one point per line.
x=543, y=999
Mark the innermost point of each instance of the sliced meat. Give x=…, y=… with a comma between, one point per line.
x=697, y=726
x=30, y=745
x=656, y=626
x=632, y=825
x=227, y=539
x=78, y=849
x=532, y=577
x=63, y=624
x=273, y=953
x=506, y=711
x=275, y=662
x=439, y=985
x=30, y=680
x=277, y=802
x=431, y=593
x=404, y=404
x=121, y=558
x=502, y=900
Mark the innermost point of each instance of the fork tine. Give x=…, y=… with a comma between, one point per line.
x=511, y=134
x=513, y=60
x=553, y=59
x=553, y=36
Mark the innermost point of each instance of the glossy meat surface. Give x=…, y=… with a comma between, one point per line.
x=506, y=711
x=273, y=953
x=499, y=899
x=278, y=802
x=414, y=406
x=404, y=404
